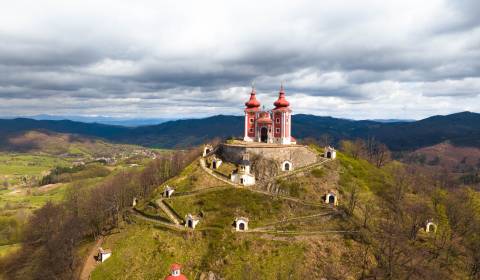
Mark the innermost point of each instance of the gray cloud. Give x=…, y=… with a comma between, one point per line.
x=163, y=59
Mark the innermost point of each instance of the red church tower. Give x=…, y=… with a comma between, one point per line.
x=251, y=115
x=268, y=126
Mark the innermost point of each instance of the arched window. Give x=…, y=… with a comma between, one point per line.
x=287, y=166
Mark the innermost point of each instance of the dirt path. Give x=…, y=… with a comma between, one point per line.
x=267, y=226
x=90, y=262
x=296, y=232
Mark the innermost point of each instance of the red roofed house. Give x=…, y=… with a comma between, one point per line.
x=268, y=126
x=175, y=273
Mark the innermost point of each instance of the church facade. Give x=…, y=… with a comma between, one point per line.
x=273, y=126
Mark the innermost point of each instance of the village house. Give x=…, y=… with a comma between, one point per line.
x=216, y=162
x=330, y=152
x=207, y=149
x=175, y=273
x=430, y=226
x=191, y=221
x=331, y=197
x=241, y=224
x=168, y=192
x=242, y=175
x=103, y=254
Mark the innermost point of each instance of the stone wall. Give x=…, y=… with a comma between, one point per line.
x=298, y=155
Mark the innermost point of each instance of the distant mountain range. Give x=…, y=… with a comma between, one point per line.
x=131, y=122
x=461, y=129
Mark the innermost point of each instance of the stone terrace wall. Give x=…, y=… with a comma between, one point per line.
x=299, y=155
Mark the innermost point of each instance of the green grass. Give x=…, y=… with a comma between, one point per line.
x=143, y=252
x=193, y=177
x=362, y=173
x=221, y=207
x=14, y=166
x=35, y=198
x=8, y=249
x=318, y=172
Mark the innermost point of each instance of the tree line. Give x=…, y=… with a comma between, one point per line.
x=53, y=233
x=391, y=224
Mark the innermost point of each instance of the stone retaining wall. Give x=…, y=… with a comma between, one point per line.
x=298, y=155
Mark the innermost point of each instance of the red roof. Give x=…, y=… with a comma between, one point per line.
x=281, y=101
x=175, y=266
x=252, y=102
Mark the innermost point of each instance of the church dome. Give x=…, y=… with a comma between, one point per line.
x=281, y=101
x=252, y=102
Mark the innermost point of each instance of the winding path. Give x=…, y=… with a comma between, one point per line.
x=298, y=232
x=90, y=262
x=265, y=227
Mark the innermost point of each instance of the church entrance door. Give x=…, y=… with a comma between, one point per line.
x=264, y=135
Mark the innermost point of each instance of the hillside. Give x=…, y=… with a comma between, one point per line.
x=314, y=234
x=302, y=239
x=377, y=230
x=460, y=129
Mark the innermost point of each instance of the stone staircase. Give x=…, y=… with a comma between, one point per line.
x=216, y=175
x=141, y=216
x=172, y=216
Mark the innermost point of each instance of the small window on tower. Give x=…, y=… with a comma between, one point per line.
x=251, y=130
x=277, y=130
x=277, y=120
x=251, y=120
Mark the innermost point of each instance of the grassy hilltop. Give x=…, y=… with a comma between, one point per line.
x=283, y=248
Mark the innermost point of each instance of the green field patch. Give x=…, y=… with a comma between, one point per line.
x=361, y=173
x=143, y=252
x=219, y=208
x=192, y=178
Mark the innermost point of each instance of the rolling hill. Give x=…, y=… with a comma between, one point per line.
x=461, y=129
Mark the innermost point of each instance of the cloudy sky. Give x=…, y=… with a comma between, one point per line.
x=352, y=59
